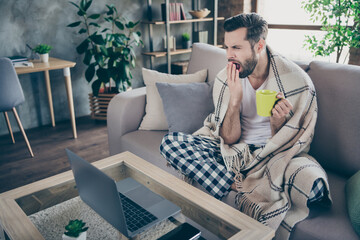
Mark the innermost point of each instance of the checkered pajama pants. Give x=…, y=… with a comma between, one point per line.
x=200, y=159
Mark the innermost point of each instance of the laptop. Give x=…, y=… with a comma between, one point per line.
x=127, y=205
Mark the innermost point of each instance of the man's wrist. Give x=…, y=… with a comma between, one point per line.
x=276, y=124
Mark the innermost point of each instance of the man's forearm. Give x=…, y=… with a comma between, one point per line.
x=230, y=130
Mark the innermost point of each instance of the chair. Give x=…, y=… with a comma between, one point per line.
x=11, y=95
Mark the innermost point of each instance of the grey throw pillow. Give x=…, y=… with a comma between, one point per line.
x=186, y=105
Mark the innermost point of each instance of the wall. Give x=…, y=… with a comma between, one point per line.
x=43, y=21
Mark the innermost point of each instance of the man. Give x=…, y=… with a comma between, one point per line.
x=259, y=157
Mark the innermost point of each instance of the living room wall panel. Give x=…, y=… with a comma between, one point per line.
x=42, y=21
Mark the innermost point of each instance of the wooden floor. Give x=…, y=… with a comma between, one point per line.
x=18, y=168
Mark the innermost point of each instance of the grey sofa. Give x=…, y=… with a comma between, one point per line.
x=335, y=143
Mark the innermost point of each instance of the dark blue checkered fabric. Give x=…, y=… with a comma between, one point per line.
x=199, y=158
x=317, y=191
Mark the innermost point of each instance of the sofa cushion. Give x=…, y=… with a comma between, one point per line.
x=325, y=223
x=338, y=126
x=352, y=190
x=145, y=144
x=154, y=118
x=205, y=56
x=186, y=105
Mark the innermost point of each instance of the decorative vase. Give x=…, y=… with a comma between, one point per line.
x=44, y=57
x=82, y=236
x=186, y=44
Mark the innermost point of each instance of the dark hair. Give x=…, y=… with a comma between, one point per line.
x=256, y=26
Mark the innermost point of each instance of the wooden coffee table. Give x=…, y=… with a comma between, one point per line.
x=214, y=215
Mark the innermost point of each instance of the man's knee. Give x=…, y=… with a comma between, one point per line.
x=166, y=143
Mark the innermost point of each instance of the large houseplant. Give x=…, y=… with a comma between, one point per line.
x=340, y=21
x=108, y=50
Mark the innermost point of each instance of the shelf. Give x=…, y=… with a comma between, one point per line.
x=164, y=53
x=158, y=22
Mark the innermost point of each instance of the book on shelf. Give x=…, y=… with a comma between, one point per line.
x=176, y=11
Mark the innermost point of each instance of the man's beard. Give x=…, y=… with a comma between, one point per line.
x=249, y=65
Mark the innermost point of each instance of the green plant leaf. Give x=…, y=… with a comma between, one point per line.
x=87, y=5
x=81, y=13
x=119, y=25
x=99, y=59
x=97, y=39
x=74, y=24
x=94, y=16
x=77, y=6
x=136, y=37
x=82, y=47
x=81, y=31
x=104, y=50
x=96, y=86
x=87, y=58
x=82, y=4
x=111, y=11
x=103, y=75
x=90, y=72
x=130, y=25
x=94, y=24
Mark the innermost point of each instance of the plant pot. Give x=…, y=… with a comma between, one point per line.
x=82, y=236
x=186, y=44
x=44, y=57
x=99, y=105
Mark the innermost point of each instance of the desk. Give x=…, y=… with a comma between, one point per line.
x=53, y=64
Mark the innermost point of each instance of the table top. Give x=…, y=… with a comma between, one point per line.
x=214, y=215
x=54, y=63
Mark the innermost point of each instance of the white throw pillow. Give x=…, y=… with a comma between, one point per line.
x=154, y=118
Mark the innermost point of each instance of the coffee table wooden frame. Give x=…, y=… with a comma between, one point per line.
x=216, y=216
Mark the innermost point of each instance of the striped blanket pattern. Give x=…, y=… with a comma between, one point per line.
x=274, y=182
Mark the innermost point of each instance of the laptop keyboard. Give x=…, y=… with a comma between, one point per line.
x=135, y=216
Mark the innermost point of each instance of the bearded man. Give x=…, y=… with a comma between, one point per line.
x=263, y=159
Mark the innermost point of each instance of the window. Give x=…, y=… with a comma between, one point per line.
x=288, y=25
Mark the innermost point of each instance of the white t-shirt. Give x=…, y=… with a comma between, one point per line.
x=255, y=129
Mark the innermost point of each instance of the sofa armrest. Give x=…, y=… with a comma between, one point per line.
x=124, y=115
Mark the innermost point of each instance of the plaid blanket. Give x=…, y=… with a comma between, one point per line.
x=274, y=182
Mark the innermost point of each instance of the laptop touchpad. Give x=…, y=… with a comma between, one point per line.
x=143, y=196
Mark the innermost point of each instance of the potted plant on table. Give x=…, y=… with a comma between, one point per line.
x=109, y=54
x=186, y=41
x=75, y=230
x=43, y=51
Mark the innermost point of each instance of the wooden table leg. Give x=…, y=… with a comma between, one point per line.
x=70, y=99
x=48, y=90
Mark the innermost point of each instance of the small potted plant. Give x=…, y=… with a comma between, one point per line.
x=43, y=51
x=186, y=41
x=75, y=230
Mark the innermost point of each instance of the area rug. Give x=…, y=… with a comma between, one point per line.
x=51, y=222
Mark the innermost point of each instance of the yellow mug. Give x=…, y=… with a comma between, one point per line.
x=265, y=100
